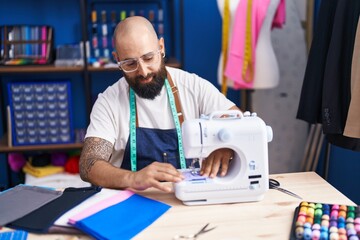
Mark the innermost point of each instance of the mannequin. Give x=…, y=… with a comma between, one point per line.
x=266, y=70
x=266, y=73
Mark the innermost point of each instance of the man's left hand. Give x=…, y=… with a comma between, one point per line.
x=217, y=161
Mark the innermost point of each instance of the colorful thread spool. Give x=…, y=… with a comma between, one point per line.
x=316, y=221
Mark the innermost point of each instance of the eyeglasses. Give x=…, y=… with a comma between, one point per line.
x=131, y=65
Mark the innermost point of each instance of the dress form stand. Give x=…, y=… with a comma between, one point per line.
x=266, y=68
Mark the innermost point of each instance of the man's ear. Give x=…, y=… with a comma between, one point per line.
x=162, y=46
x=115, y=56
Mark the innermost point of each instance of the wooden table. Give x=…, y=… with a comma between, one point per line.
x=270, y=218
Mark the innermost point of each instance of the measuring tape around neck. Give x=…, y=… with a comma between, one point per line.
x=133, y=127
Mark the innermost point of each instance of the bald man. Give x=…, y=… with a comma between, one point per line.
x=133, y=137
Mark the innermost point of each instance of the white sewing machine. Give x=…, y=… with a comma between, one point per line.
x=248, y=175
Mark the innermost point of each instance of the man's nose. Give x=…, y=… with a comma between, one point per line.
x=142, y=69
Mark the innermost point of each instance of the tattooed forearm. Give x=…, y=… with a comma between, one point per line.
x=95, y=149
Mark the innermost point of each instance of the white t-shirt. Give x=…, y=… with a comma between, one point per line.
x=110, y=115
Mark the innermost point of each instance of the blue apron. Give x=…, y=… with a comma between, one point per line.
x=161, y=145
x=158, y=145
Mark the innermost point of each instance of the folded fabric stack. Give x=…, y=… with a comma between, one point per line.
x=42, y=171
x=100, y=213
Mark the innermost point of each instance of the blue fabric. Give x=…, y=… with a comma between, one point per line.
x=123, y=220
x=151, y=144
x=14, y=235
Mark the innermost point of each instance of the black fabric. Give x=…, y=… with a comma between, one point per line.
x=311, y=93
x=326, y=91
x=337, y=79
x=337, y=76
x=40, y=220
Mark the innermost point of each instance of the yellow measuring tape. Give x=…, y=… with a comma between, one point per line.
x=248, y=66
x=225, y=43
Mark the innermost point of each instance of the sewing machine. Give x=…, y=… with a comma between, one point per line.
x=248, y=175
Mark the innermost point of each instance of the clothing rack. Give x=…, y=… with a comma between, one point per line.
x=314, y=144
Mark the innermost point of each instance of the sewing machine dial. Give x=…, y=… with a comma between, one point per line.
x=224, y=135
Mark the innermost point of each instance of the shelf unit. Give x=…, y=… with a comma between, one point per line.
x=86, y=72
x=38, y=69
x=5, y=148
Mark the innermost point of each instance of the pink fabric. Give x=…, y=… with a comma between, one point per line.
x=122, y=196
x=280, y=15
x=235, y=60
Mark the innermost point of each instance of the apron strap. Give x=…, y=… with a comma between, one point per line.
x=176, y=98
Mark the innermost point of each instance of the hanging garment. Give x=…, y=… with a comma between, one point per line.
x=352, y=127
x=337, y=76
x=333, y=98
x=310, y=102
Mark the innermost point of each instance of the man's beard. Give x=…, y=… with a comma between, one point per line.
x=148, y=90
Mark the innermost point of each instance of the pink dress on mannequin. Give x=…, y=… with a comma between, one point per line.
x=234, y=66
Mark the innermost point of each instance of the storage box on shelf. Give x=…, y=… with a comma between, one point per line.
x=26, y=44
x=40, y=113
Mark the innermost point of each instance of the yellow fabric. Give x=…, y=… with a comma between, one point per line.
x=42, y=171
x=225, y=42
x=247, y=66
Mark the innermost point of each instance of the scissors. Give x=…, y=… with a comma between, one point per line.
x=275, y=184
x=194, y=236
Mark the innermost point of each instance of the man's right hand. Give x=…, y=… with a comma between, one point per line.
x=153, y=175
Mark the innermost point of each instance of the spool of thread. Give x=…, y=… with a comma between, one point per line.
x=58, y=159
x=16, y=161
x=72, y=165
